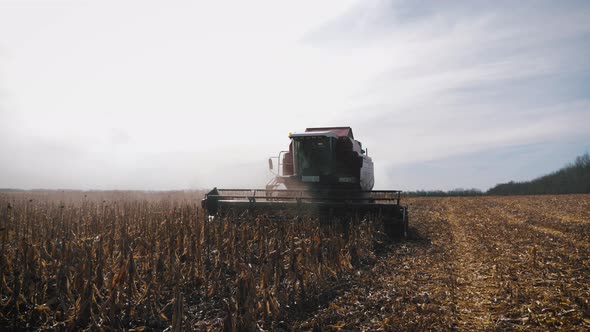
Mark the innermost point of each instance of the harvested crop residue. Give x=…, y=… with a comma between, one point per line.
x=485, y=263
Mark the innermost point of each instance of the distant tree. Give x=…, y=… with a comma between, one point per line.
x=574, y=178
x=441, y=193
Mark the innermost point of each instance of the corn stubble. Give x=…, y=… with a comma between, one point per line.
x=142, y=263
x=477, y=264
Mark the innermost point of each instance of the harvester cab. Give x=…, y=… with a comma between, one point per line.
x=324, y=159
x=324, y=170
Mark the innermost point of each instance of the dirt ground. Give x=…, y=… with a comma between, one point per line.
x=474, y=264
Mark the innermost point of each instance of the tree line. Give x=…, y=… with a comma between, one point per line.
x=574, y=178
x=442, y=193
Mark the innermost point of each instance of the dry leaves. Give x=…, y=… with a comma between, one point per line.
x=161, y=263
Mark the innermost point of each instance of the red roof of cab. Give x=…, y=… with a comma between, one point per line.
x=339, y=131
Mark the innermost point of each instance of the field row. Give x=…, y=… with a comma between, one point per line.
x=485, y=263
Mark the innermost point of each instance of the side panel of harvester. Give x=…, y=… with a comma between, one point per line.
x=367, y=176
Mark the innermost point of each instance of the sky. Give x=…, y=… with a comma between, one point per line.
x=163, y=95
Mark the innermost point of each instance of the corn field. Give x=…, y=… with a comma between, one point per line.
x=75, y=261
x=154, y=261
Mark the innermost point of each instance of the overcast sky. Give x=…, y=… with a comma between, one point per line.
x=195, y=94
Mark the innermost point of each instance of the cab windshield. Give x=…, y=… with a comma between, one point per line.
x=313, y=155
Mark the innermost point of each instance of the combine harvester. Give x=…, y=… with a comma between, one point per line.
x=325, y=171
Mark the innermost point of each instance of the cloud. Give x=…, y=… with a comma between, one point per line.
x=457, y=79
x=198, y=95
